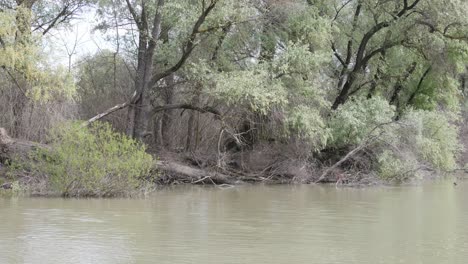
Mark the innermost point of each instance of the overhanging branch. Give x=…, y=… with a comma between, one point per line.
x=206, y=109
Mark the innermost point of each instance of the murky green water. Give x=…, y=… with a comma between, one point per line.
x=257, y=224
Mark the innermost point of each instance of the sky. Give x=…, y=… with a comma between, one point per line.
x=77, y=40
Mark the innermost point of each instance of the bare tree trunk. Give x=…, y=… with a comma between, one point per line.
x=18, y=112
x=166, y=119
x=140, y=108
x=157, y=132
x=188, y=142
x=190, y=127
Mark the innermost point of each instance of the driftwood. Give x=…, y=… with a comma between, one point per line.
x=188, y=174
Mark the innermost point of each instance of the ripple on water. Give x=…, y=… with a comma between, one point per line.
x=261, y=224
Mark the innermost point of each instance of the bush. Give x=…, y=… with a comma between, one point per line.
x=434, y=137
x=420, y=139
x=308, y=124
x=352, y=122
x=94, y=161
x=396, y=168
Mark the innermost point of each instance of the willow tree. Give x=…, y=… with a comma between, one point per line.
x=24, y=64
x=392, y=47
x=148, y=16
x=268, y=73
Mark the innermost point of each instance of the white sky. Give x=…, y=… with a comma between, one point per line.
x=78, y=40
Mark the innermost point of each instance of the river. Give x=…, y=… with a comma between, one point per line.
x=249, y=224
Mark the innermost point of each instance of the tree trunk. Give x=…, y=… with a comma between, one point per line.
x=167, y=116
x=139, y=113
x=191, y=120
x=17, y=108
x=344, y=93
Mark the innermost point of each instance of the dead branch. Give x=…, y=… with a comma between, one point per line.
x=350, y=154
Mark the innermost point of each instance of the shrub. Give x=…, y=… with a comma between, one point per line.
x=352, y=122
x=420, y=139
x=308, y=124
x=396, y=168
x=94, y=161
x=434, y=137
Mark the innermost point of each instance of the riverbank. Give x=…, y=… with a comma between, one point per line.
x=170, y=168
x=176, y=169
x=259, y=165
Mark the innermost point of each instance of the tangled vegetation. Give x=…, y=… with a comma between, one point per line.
x=343, y=89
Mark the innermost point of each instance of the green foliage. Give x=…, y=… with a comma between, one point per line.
x=395, y=168
x=435, y=137
x=254, y=89
x=420, y=139
x=305, y=25
x=17, y=50
x=308, y=124
x=93, y=161
x=20, y=55
x=355, y=120
x=285, y=61
x=15, y=190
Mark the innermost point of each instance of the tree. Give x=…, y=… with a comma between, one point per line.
x=149, y=29
x=410, y=30
x=24, y=65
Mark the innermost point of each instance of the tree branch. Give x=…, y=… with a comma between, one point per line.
x=188, y=47
x=205, y=109
x=385, y=47
x=134, y=14
x=110, y=111
x=337, y=55
x=421, y=81
x=361, y=146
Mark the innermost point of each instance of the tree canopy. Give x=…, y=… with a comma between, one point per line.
x=202, y=75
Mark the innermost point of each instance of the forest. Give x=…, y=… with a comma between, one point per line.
x=225, y=92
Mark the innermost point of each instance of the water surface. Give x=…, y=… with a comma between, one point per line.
x=250, y=224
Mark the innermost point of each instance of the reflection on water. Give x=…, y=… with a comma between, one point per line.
x=255, y=224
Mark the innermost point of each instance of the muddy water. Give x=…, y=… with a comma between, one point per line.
x=256, y=224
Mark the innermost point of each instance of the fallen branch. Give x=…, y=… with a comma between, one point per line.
x=191, y=174
x=336, y=165
x=110, y=110
x=363, y=145
x=203, y=110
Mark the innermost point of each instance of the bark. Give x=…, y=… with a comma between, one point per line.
x=18, y=112
x=139, y=112
x=418, y=88
x=394, y=100
x=205, y=109
x=186, y=174
x=166, y=119
x=191, y=121
x=363, y=55
x=140, y=108
x=368, y=141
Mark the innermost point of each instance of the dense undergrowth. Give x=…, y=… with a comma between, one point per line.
x=87, y=161
x=97, y=161
x=271, y=91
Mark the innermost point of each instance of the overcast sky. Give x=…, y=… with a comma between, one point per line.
x=78, y=40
